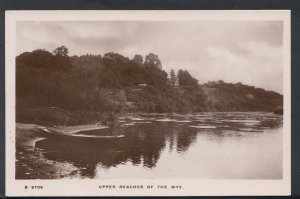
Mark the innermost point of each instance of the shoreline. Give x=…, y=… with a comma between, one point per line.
x=57, y=160
x=30, y=163
x=27, y=134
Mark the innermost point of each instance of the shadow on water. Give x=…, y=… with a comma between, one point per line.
x=142, y=145
x=149, y=138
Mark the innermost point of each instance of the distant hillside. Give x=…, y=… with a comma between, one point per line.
x=189, y=99
x=238, y=97
x=116, y=83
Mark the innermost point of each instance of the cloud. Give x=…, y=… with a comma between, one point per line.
x=259, y=65
x=245, y=51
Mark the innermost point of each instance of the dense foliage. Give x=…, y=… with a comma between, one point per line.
x=186, y=79
x=113, y=82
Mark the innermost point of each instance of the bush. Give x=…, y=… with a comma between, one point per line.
x=110, y=119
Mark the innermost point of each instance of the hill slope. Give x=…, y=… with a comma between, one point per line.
x=116, y=83
x=190, y=99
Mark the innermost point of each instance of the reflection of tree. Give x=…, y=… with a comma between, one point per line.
x=182, y=136
x=136, y=160
x=171, y=141
x=146, y=143
x=142, y=144
x=185, y=138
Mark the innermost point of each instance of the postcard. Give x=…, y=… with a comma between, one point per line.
x=148, y=103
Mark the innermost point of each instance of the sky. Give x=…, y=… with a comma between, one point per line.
x=250, y=52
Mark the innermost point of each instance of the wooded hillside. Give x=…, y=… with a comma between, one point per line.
x=113, y=82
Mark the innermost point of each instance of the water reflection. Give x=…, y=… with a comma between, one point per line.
x=142, y=144
x=149, y=136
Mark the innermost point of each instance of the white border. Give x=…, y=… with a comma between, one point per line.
x=191, y=187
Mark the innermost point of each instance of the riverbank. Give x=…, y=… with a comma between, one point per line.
x=30, y=163
x=28, y=134
x=153, y=141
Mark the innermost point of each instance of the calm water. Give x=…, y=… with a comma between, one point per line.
x=204, y=145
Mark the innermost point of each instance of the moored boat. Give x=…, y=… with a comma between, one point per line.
x=52, y=133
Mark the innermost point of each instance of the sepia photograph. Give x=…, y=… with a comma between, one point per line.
x=160, y=98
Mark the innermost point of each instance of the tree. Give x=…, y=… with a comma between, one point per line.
x=138, y=59
x=185, y=78
x=114, y=60
x=39, y=58
x=156, y=77
x=172, y=75
x=61, y=51
x=152, y=60
x=62, y=59
x=86, y=81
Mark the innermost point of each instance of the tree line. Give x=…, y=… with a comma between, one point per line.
x=113, y=82
x=46, y=78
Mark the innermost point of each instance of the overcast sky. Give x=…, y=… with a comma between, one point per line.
x=234, y=51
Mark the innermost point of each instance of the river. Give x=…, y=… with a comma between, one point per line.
x=203, y=145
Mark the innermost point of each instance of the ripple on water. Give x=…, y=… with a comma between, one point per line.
x=128, y=124
x=242, y=121
x=203, y=127
x=183, y=121
x=166, y=120
x=136, y=118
